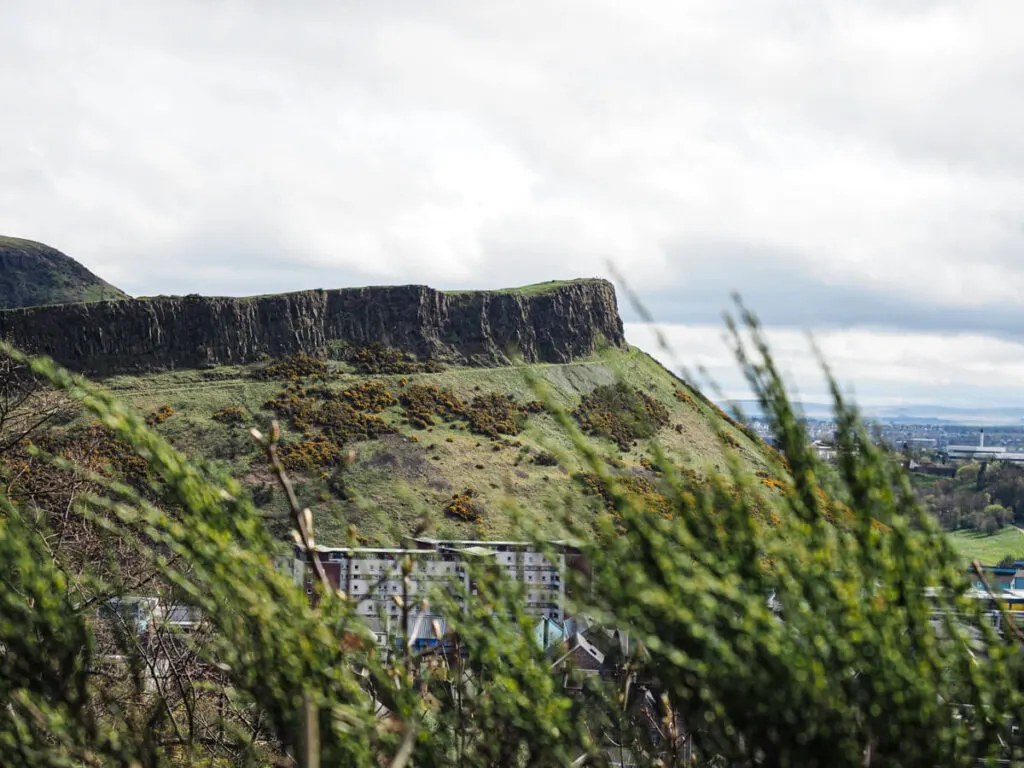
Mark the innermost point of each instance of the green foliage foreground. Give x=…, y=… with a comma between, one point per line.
x=876, y=657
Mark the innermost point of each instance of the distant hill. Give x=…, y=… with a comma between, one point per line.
x=33, y=274
x=907, y=414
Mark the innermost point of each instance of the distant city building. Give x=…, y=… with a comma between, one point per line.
x=373, y=577
x=825, y=451
x=983, y=452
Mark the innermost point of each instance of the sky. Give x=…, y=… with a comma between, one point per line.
x=852, y=169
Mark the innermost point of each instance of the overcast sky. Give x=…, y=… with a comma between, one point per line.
x=855, y=168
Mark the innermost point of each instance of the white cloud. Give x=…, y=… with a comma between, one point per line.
x=878, y=368
x=873, y=152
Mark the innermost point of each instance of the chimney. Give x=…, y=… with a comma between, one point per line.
x=981, y=443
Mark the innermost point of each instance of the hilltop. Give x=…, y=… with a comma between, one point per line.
x=33, y=274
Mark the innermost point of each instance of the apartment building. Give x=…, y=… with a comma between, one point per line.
x=374, y=577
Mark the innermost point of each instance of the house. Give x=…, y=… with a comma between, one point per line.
x=579, y=657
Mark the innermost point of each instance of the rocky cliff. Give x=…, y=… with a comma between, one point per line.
x=554, y=323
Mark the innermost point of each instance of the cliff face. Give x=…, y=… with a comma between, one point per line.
x=555, y=324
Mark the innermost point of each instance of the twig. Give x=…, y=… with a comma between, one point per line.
x=302, y=517
x=405, y=750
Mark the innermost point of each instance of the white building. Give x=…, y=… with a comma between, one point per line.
x=374, y=578
x=983, y=452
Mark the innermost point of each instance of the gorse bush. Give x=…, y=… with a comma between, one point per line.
x=297, y=366
x=840, y=634
x=621, y=413
x=344, y=416
x=463, y=506
x=492, y=415
x=229, y=414
x=379, y=358
x=422, y=402
x=309, y=455
x=369, y=396
x=160, y=415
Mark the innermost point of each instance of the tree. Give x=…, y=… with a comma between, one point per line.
x=968, y=474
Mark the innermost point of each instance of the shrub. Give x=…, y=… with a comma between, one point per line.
x=297, y=366
x=334, y=412
x=345, y=424
x=643, y=491
x=160, y=415
x=309, y=455
x=493, y=415
x=648, y=464
x=229, y=414
x=621, y=413
x=545, y=459
x=684, y=397
x=463, y=506
x=371, y=396
x=422, y=402
x=294, y=403
x=378, y=358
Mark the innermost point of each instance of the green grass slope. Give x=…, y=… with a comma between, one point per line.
x=33, y=274
x=989, y=550
x=444, y=475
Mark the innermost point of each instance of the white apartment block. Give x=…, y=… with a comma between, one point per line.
x=373, y=577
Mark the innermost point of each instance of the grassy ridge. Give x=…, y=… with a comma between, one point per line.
x=534, y=289
x=410, y=476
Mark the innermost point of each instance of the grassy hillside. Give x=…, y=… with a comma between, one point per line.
x=534, y=289
x=975, y=545
x=33, y=274
x=449, y=473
